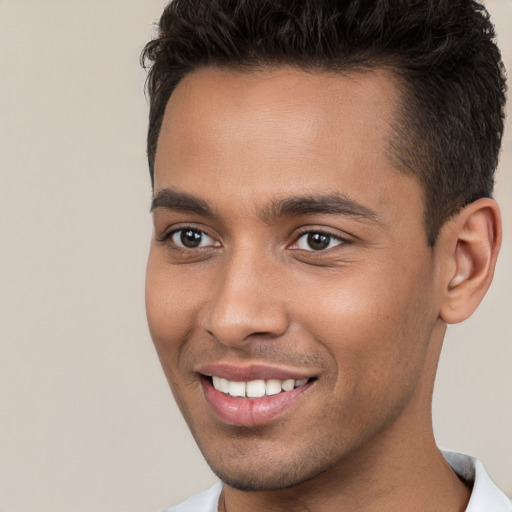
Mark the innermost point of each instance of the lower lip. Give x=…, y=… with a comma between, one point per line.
x=251, y=412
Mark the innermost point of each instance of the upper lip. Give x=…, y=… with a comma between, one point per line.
x=247, y=373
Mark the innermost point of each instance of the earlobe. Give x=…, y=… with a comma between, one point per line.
x=471, y=246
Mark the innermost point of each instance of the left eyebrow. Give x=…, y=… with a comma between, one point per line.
x=331, y=204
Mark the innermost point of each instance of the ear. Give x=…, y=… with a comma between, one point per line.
x=470, y=246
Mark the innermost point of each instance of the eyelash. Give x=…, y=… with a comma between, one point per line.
x=331, y=236
x=168, y=238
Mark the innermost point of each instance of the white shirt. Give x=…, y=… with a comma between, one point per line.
x=485, y=496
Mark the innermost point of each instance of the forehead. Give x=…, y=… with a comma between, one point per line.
x=216, y=107
x=279, y=132
x=310, y=93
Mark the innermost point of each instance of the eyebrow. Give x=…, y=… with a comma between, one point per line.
x=330, y=204
x=173, y=200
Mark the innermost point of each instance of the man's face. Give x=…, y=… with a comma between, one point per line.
x=289, y=263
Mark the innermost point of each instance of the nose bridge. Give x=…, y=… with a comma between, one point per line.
x=245, y=300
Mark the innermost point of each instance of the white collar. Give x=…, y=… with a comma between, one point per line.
x=485, y=496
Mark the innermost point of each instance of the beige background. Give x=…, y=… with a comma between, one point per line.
x=86, y=420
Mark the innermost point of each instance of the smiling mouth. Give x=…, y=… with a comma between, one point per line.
x=256, y=401
x=255, y=388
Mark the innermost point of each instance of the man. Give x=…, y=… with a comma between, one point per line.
x=322, y=175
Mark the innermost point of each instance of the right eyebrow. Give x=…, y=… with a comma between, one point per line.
x=173, y=200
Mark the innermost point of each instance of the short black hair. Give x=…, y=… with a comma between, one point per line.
x=450, y=123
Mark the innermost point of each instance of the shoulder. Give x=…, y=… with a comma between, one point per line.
x=205, y=501
x=485, y=495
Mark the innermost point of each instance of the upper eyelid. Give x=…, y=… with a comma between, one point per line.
x=320, y=231
x=343, y=241
x=323, y=231
x=166, y=239
x=170, y=230
x=174, y=232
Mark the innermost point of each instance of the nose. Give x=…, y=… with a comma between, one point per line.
x=246, y=302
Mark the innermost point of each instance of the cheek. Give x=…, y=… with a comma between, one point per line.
x=378, y=345
x=168, y=309
x=375, y=325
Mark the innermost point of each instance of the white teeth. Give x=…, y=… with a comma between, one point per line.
x=288, y=384
x=216, y=382
x=255, y=388
x=272, y=387
x=236, y=388
x=224, y=386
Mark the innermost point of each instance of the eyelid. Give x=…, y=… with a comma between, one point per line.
x=323, y=231
x=175, y=239
x=167, y=237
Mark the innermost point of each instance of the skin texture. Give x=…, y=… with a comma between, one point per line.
x=365, y=317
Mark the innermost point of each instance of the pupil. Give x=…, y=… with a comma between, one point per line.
x=190, y=238
x=318, y=241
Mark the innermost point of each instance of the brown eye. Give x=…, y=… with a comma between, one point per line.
x=317, y=241
x=190, y=238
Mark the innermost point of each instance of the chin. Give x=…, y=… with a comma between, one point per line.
x=250, y=481
x=271, y=473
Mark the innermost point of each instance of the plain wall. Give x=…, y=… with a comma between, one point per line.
x=87, y=422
